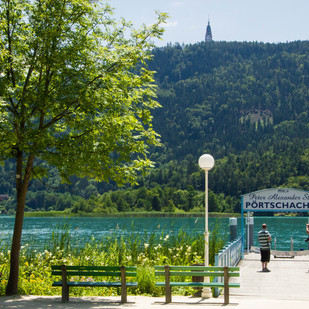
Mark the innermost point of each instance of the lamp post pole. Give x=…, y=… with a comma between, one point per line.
x=206, y=162
x=206, y=221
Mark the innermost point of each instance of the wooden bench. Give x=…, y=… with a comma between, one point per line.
x=199, y=271
x=120, y=273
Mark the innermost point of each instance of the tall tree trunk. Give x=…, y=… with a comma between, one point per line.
x=12, y=286
x=22, y=182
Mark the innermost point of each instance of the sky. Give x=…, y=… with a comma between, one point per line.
x=271, y=21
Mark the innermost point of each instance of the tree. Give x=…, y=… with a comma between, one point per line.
x=76, y=93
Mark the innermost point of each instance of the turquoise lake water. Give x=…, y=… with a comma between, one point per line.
x=39, y=230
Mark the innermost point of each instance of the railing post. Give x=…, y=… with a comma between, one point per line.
x=231, y=254
x=228, y=255
x=220, y=262
x=216, y=290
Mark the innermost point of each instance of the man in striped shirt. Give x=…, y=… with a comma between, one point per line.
x=264, y=239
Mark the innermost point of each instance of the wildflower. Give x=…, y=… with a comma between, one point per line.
x=166, y=237
x=146, y=245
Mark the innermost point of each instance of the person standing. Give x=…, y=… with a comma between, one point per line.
x=264, y=239
x=307, y=230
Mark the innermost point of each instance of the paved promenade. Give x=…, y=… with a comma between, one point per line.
x=285, y=287
x=288, y=279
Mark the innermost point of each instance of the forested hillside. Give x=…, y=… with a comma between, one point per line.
x=246, y=104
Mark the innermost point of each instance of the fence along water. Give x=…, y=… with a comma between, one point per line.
x=230, y=255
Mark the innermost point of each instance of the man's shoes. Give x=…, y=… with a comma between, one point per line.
x=266, y=270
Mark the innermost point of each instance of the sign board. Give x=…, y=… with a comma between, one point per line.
x=280, y=199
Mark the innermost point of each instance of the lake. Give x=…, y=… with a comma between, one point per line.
x=39, y=230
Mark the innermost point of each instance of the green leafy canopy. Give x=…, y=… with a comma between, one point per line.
x=74, y=88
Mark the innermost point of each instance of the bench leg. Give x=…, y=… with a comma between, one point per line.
x=65, y=288
x=123, y=294
x=168, y=289
x=226, y=286
x=123, y=284
x=65, y=293
x=168, y=294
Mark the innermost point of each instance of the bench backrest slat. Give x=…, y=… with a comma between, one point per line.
x=196, y=274
x=90, y=273
x=110, y=268
x=102, y=271
x=200, y=268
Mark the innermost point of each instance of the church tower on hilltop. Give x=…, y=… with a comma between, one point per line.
x=208, y=36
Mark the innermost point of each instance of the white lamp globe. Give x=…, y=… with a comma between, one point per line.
x=206, y=162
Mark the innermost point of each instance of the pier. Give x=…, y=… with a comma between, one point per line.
x=288, y=279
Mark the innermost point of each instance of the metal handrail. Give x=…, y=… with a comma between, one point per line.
x=230, y=255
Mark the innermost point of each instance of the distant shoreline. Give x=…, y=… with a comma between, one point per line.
x=139, y=214
x=126, y=214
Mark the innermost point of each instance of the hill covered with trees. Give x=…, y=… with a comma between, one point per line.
x=246, y=104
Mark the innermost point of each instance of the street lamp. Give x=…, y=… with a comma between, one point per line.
x=206, y=162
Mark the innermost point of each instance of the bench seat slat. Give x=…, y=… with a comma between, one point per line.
x=200, y=268
x=200, y=284
x=197, y=274
x=88, y=273
x=94, y=284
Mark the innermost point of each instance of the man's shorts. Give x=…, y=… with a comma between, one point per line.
x=265, y=256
